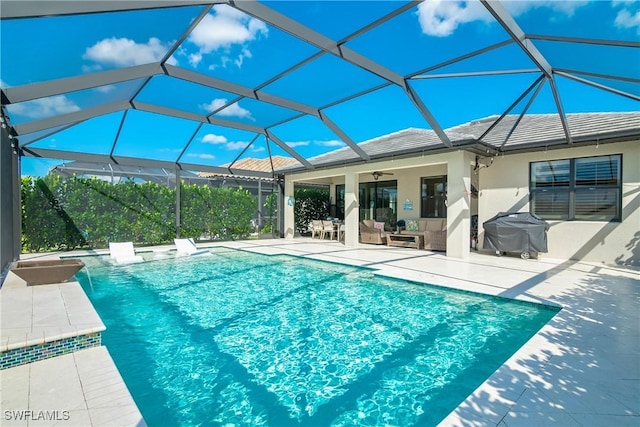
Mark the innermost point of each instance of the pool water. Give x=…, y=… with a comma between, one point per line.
x=240, y=338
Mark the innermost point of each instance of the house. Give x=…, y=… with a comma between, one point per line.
x=588, y=189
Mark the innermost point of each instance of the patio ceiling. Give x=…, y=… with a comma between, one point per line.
x=200, y=85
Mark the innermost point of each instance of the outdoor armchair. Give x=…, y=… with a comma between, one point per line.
x=370, y=234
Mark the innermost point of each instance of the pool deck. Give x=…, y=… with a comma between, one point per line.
x=75, y=388
x=581, y=369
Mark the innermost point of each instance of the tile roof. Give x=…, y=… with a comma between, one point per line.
x=532, y=130
x=253, y=164
x=538, y=129
x=264, y=165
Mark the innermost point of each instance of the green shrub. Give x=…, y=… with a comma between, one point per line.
x=310, y=204
x=66, y=213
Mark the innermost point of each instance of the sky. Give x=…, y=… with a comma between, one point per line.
x=231, y=45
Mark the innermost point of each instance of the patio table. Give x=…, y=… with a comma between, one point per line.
x=404, y=240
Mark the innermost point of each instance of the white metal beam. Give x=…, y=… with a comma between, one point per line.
x=69, y=118
x=212, y=82
x=283, y=22
x=278, y=20
x=32, y=91
x=343, y=136
x=134, y=161
x=420, y=105
x=288, y=149
x=507, y=22
x=602, y=42
x=599, y=86
x=157, y=109
x=14, y=9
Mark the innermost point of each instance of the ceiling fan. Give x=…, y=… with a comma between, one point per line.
x=377, y=174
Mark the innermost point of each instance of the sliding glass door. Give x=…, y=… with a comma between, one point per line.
x=379, y=201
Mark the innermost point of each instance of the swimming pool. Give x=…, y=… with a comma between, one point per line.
x=246, y=339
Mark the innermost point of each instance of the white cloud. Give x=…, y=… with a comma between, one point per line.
x=236, y=145
x=194, y=59
x=45, y=107
x=233, y=110
x=330, y=143
x=627, y=20
x=258, y=149
x=223, y=28
x=124, y=52
x=298, y=144
x=441, y=18
x=211, y=138
x=202, y=156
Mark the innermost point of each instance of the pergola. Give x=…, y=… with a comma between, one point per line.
x=318, y=76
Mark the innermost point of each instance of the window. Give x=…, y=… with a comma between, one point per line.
x=433, y=197
x=587, y=188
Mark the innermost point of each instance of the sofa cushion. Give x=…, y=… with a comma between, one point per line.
x=378, y=225
x=412, y=225
x=368, y=222
x=434, y=225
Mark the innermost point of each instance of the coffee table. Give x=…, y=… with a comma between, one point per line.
x=404, y=240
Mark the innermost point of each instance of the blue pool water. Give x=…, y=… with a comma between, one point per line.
x=245, y=339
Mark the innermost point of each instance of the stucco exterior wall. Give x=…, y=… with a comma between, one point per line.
x=504, y=187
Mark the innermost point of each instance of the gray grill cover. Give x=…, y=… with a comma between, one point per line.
x=516, y=232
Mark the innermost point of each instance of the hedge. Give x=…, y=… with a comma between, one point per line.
x=66, y=213
x=310, y=203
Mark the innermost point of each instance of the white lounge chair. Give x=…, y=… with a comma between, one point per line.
x=188, y=247
x=124, y=253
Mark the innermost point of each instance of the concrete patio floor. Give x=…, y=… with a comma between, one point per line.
x=581, y=369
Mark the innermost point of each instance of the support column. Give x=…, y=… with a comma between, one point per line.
x=333, y=201
x=459, y=204
x=178, y=198
x=10, y=206
x=289, y=218
x=351, y=209
x=260, y=215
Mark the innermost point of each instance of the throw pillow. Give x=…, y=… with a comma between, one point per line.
x=412, y=225
x=378, y=225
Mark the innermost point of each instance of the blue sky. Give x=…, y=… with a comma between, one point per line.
x=228, y=44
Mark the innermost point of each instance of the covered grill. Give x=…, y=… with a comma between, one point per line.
x=521, y=232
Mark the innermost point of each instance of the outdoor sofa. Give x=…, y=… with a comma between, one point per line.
x=433, y=231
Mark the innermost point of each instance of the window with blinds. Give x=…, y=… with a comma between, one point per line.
x=586, y=188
